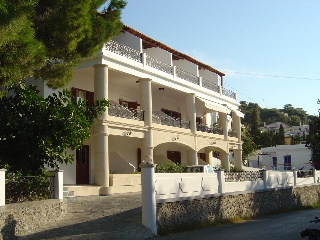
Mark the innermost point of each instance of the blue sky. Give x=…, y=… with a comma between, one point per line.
x=268, y=49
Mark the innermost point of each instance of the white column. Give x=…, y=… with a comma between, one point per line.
x=57, y=183
x=192, y=158
x=236, y=122
x=208, y=155
x=146, y=100
x=223, y=122
x=221, y=181
x=2, y=187
x=101, y=156
x=191, y=111
x=149, y=204
x=225, y=161
x=295, y=176
x=265, y=179
x=146, y=106
x=238, y=158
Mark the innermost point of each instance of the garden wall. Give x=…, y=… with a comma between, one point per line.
x=196, y=213
x=19, y=219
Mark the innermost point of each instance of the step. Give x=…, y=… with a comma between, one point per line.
x=68, y=193
x=125, y=189
x=125, y=179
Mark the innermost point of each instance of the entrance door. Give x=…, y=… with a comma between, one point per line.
x=174, y=156
x=82, y=157
x=287, y=162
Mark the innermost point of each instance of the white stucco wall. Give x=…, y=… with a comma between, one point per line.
x=159, y=54
x=126, y=147
x=210, y=76
x=186, y=66
x=129, y=40
x=300, y=156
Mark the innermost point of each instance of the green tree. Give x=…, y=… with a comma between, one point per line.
x=298, y=112
x=248, y=145
x=267, y=139
x=36, y=131
x=272, y=115
x=313, y=141
x=48, y=38
x=254, y=125
x=280, y=136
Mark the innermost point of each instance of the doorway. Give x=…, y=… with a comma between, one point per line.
x=287, y=162
x=82, y=169
x=174, y=156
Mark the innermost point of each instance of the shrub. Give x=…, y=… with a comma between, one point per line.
x=170, y=167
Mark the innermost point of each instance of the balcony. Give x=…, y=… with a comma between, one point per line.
x=118, y=110
x=213, y=129
x=164, y=119
x=143, y=58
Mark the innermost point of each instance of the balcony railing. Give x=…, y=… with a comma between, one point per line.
x=187, y=76
x=205, y=128
x=210, y=85
x=164, y=119
x=118, y=110
x=135, y=55
x=123, y=50
x=164, y=67
x=228, y=93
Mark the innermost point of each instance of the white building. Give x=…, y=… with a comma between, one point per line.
x=165, y=106
x=283, y=157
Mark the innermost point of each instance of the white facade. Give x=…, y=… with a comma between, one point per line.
x=163, y=107
x=283, y=157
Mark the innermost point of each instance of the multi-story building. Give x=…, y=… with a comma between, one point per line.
x=164, y=105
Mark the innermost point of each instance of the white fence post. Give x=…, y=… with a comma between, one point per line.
x=149, y=203
x=265, y=178
x=221, y=180
x=2, y=187
x=295, y=172
x=57, y=183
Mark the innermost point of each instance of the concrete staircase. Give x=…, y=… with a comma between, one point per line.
x=119, y=183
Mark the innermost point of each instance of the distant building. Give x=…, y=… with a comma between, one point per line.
x=283, y=157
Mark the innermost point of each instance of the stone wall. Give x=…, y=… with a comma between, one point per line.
x=196, y=213
x=19, y=219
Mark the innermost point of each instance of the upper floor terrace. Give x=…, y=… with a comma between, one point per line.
x=143, y=50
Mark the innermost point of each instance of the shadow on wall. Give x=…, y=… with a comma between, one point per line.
x=8, y=232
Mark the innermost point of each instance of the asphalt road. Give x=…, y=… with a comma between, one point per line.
x=284, y=226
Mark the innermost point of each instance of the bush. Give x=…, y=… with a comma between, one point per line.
x=27, y=188
x=170, y=167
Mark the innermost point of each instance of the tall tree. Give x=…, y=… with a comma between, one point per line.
x=48, y=38
x=280, y=136
x=313, y=141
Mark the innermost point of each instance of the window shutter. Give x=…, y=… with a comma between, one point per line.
x=90, y=98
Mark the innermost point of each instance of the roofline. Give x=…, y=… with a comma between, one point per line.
x=171, y=50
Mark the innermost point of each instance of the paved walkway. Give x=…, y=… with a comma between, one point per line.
x=98, y=217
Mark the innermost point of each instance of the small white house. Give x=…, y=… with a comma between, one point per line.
x=283, y=157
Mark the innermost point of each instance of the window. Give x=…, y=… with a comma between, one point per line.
x=84, y=95
x=128, y=104
x=287, y=162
